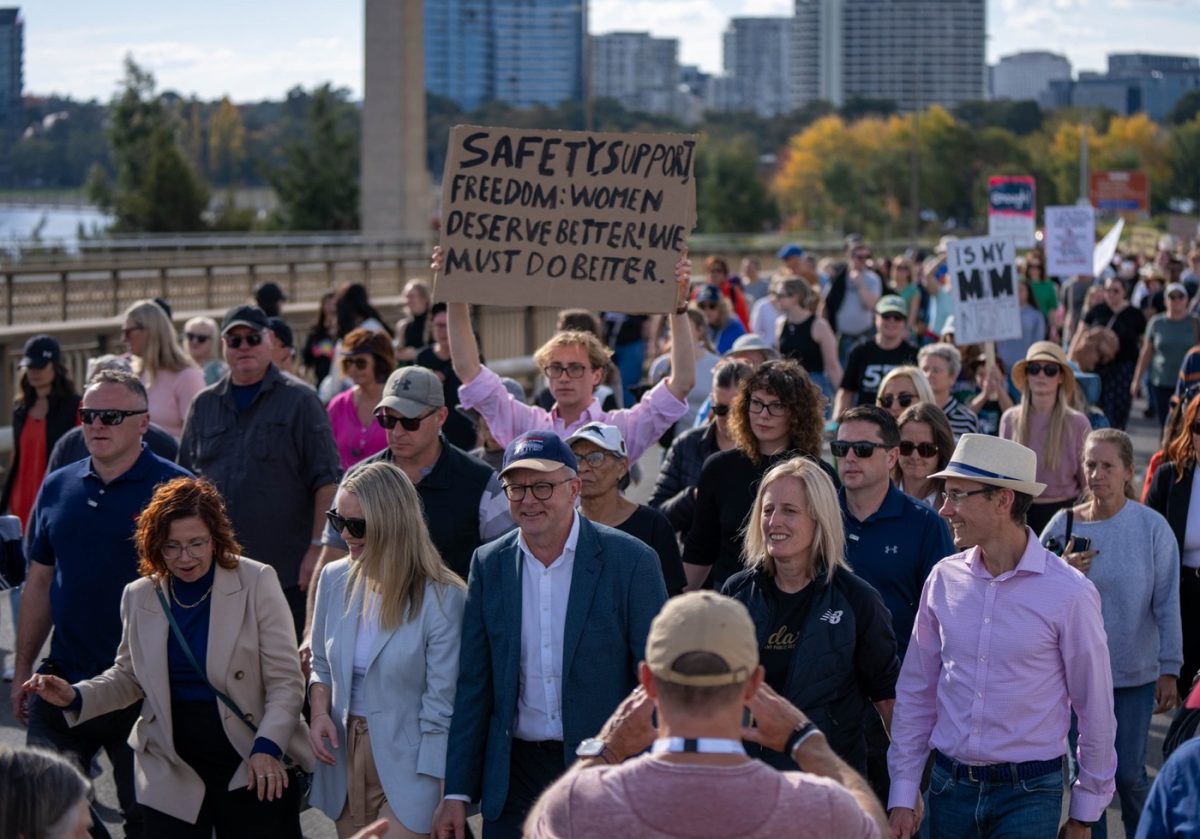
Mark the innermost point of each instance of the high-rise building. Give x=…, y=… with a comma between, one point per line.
x=1135, y=83
x=1027, y=75
x=916, y=53
x=757, y=66
x=521, y=52
x=12, y=65
x=639, y=71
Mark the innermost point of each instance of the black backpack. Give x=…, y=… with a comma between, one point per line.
x=1184, y=726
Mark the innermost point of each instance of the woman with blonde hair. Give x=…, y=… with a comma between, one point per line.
x=171, y=378
x=385, y=640
x=723, y=327
x=795, y=580
x=902, y=387
x=200, y=335
x=1045, y=422
x=206, y=632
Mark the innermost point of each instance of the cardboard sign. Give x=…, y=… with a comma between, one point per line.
x=1184, y=228
x=1012, y=209
x=1118, y=192
x=566, y=218
x=1070, y=240
x=1144, y=241
x=983, y=272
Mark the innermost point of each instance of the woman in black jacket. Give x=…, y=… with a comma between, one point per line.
x=1171, y=495
x=46, y=408
x=825, y=638
x=776, y=415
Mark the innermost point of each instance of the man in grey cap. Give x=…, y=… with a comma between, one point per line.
x=463, y=501
x=264, y=441
x=701, y=673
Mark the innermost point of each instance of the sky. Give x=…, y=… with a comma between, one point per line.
x=262, y=48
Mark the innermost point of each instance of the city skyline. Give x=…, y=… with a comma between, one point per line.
x=76, y=47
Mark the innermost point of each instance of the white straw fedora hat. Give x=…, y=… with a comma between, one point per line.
x=995, y=462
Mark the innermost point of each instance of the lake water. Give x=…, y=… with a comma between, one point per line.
x=19, y=223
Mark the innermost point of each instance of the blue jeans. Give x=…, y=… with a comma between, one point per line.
x=1133, y=708
x=963, y=809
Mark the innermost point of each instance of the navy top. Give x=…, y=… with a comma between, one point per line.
x=894, y=549
x=84, y=529
x=243, y=395
x=186, y=683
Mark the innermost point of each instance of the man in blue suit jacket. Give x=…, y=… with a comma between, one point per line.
x=556, y=621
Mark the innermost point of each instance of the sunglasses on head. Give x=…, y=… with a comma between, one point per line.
x=358, y=362
x=196, y=338
x=1038, y=368
x=251, y=340
x=107, y=416
x=905, y=399
x=861, y=448
x=355, y=527
x=407, y=423
x=923, y=449
x=720, y=410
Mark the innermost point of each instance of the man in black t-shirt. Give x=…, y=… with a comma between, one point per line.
x=873, y=358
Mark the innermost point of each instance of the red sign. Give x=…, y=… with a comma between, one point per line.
x=1117, y=192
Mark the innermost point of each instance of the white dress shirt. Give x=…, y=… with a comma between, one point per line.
x=544, y=592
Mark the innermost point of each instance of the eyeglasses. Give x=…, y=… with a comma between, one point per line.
x=196, y=549
x=197, y=338
x=720, y=410
x=107, y=416
x=235, y=341
x=129, y=330
x=775, y=409
x=958, y=496
x=355, y=527
x=892, y=316
x=923, y=449
x=862, y=255
x=1048, y=368
x=905, y=399
x=542, y=490
x=358, y=362
x=593, y=459
x=573, y=371
x=862, y=448
x=407, y=423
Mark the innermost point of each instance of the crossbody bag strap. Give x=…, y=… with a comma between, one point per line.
x=1070, y=521
x=187, y=651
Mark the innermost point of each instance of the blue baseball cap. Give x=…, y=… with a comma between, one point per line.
x=788, y=251
x=542, y=451
x=708, y=294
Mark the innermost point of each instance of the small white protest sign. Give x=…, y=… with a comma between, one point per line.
x=984, y=278
x=1070, y=240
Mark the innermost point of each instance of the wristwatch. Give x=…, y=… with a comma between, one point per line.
x=595, y=747
x=802, y=733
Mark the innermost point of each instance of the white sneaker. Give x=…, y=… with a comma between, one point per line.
x=9, y=672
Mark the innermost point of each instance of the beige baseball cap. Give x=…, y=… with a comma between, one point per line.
x=702, y=622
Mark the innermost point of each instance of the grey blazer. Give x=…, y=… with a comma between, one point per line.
x=408, y=691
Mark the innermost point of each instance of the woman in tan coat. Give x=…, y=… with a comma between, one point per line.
x=199, y=767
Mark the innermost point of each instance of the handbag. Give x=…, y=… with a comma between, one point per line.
x=299, y=781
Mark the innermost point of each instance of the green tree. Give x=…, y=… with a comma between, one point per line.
x=730, y=195
x=317, y=184
x=1186, y=108
x=156, y=189
x=1185, y=153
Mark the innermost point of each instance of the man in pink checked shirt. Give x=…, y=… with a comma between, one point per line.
x=574, y=364
x=1008, y=639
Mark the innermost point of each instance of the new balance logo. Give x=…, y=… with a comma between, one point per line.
x=831, y=616
x=891, y=549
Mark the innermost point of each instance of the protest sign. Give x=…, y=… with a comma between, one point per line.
x=1106, y=249
x=1119, y=192
x=1144, y=241
x=1012, y=209
x=1185, y=228
x=566, y=218
x=1070, y=240
x=984, y=277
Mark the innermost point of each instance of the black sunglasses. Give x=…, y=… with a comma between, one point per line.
x=892, y=316
x=107, y=416
x=197, y=338
x=923, y=449
x=235, y=341
x=355, y=527
x=861, y=448
x=905, y=399
x=720, y=410
x=1037, y=368
x=407, y=423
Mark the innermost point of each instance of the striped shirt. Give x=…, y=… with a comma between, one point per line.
x=962, y=419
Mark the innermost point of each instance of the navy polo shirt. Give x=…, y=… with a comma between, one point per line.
x=894, y=549
x=84, y=528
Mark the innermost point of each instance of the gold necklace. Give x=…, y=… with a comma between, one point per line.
x=180, y=603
